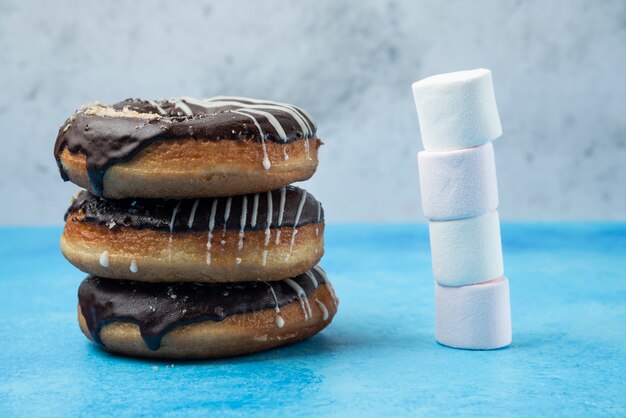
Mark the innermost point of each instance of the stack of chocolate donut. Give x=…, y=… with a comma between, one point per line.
x=195, y=244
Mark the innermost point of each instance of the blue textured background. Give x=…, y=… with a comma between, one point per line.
x=378, y=357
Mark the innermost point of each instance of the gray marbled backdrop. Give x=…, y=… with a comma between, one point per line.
x=559, y=70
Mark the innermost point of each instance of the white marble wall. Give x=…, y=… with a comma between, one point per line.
x=559, y=70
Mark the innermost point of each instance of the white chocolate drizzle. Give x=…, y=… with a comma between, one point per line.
x=323, y=308
x=270, y=209
x=281, y=211
x=255, y=210
x=183, y=107
x=306, y=149
x=313, y=279
x=159, y=109
x=266, y=161
x=304, y=301
x=242, y=222
x=294, y=232
x=192, y=215
x=280, y=322
x=322, y=273
x=229, y=202
x=104, y=259
x=169, y=242
x=211, y=226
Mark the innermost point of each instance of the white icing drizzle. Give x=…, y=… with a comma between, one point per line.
x=255, y=210
x=322, y=273
x=280, y=322
x=304, y=301
x=296, y=114
x=323, y=309
x=265, y=257
x=306, y=148
x=313, y=279
x=266, y=161
x=229, y=202
x=269, y=217
x=281, y=211
x=272, y=120
x=238, y=260
x=211, y=226
x=295, y=223
x=302, y=118
x=192, y=215
x=319, y=218
x=169, y=242
x=133, y=267
x=183, y=106
x=104, y=259
x=161, y=111
x=242, y=222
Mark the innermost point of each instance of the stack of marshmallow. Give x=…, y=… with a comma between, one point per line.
x=458, y=120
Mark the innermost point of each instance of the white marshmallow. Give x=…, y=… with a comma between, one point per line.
x=466, y=251
x=458, y=184
x=475, y=317
x=457, y=110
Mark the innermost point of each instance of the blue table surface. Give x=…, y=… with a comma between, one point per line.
x=378, y=357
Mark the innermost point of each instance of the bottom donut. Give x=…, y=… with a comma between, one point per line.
x=203, y=320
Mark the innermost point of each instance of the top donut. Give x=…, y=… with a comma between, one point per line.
x=187, y=148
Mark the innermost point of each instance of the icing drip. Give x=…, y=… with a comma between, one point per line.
x=211, y=226
x=280, y=322
x=104, y=259
x=133, y=267
x=281, y=212
x=229, y=202
x=169, y=242
x=192, y=214
x=306, y=148
x=266, y=160
x=157, y=214
x=323, y=275
x=255, y=210
x=313, y=279
x=264, y=262
x=270, y=214
x=304, y=301
x=183, y=107
x=323, y=309
x=244, y=213
x=157, y=308
x=295, y=229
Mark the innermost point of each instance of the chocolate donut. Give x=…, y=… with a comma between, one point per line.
x=196, y=320
x=186, y=148
x=261, y=236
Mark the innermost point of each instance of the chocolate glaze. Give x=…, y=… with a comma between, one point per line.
x=106, y=137
x=157, y=213
x=159, y=307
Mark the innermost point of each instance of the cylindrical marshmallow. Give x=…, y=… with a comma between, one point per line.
x=458, y=184
x=466, y=251
x=457, y=110
x=474, y=317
